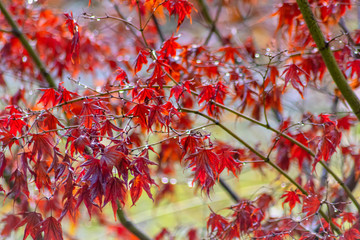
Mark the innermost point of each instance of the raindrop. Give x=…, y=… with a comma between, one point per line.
x=164, y=180
x=173, y=181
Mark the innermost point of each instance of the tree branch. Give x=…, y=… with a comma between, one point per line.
x=329, y=58
x=34, y=56
x=205, y=12
x=266, y=160
x=129, y=225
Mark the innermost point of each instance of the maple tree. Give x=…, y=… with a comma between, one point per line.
x=92, y=118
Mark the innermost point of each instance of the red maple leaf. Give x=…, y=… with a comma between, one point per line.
x=137, y=184
x=74, y=28
x=20, y=185
x=141, y=59
x=108, y=127
x=140, y=111
x=169, y=47
x=50, y=97
x=230, y=53
x=291, y=197
x=181, y=8
x=216, y=224
x=10, y=221
x=351, y=234
x=111, y=156
x=115, y=191
x=42, y=143
x=32, y=220
x=311, y=205
x=145, y=95
x=328, y=142
x=292, y=74
x=204, y=163
x=287, y=13
x=51, y=228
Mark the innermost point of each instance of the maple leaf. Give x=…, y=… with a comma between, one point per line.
x=74, y=48
x=246, y=216
x=272, y=74
x=230, y=53
x=19, y=187
x=83, y=195
x=7, y=139
x=108, y=127
x=292, y=74
x=204, y=163
x=140, y=111
x=311, y=205
x=181, y=8
x=111, y=156
x=137, y=184
x=49, y=122
x=141, y=59
x=42, y=143
x=346, y=122
x=121, y=76
x=287, y=13
x=190, y=143
x=51, y=228
x=51, y=97
x=291, y=197
x=3, y=163
x=216, y=224
x=207, y=93
x=226, y=160
x=328, y=142
x=32, y=220
x=97, y=176
x=145, y=95
x=65, y=95
x=10, y=221
x=115, y=191
x=157, y=114
x=91, y=112
x=348, y=217
x=351, y=234
x=68, y=197
x=169, y=47
x=41, y=176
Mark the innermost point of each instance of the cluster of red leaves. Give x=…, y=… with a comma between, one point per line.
x=105, y=157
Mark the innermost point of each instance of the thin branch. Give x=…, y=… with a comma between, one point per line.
x=205, y=12
x=111, y=17
x=24, y=41
x=158, y=28
x=130, y=225
x=266, y=160
x=228, y=189
x=308, y=150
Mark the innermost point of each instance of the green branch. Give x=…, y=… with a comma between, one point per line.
x=329, y=58
x=266, y=160
x=129, y=225
x=34, y=56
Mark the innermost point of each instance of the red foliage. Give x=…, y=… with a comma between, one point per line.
x=150, y=102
